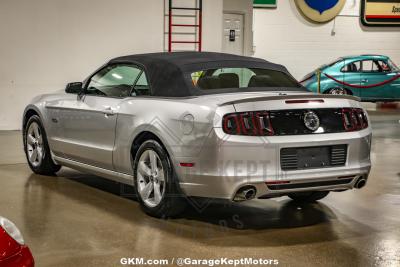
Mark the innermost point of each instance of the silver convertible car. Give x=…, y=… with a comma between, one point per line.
x=178, y=125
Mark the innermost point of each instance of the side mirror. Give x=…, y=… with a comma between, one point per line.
x=74, y=88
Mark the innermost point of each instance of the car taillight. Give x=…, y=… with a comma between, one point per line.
x=248, y=123
x=354, y=119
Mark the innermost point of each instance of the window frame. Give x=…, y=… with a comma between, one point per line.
x=137, y=66
x=353, y=62
x=375, y=61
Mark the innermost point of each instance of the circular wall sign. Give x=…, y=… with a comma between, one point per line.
x=320, y=10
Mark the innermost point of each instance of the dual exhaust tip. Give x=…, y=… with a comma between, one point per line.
x=245, y=193
x=361, y=182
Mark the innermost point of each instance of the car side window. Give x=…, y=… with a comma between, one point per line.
x=352, y=67
x=114, y=81
x=372, y=66
x=142, y=85
x=384, y=66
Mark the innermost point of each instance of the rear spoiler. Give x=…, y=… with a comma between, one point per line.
x=286, y=97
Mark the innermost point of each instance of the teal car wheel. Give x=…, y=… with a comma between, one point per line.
x=338, y=91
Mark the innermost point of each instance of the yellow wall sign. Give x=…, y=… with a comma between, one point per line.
x=320, y=10
x=380, y=12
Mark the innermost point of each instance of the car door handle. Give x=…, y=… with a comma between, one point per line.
x=108, y=111
x=364, y=80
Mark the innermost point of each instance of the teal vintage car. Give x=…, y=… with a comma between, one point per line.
x=370, y=77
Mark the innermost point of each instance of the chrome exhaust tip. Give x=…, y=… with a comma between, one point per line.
x=245, y=193
x=360, y=183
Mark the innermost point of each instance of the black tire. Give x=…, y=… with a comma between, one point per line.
x=173, y=201
x=308, y=196
x=47, y=165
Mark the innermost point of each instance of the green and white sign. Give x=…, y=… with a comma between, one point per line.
x=264, y=3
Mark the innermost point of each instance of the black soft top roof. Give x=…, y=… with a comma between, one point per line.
x=169, y=73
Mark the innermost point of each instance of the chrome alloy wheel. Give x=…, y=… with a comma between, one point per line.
x=338, y=91
x=150, y=178
x=34, y=143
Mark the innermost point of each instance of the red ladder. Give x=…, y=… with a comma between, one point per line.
x=198, y=25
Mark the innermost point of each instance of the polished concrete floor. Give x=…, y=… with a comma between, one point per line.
x=80, y=220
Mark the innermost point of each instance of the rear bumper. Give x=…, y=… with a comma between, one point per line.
x=227, y=163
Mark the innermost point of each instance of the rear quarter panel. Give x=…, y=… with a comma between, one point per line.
x=170, y=120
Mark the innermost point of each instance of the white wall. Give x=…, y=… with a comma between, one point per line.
x=284, y=36
x=212, y=25
x=45, y=44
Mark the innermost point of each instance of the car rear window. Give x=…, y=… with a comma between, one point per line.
x=236, y=78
